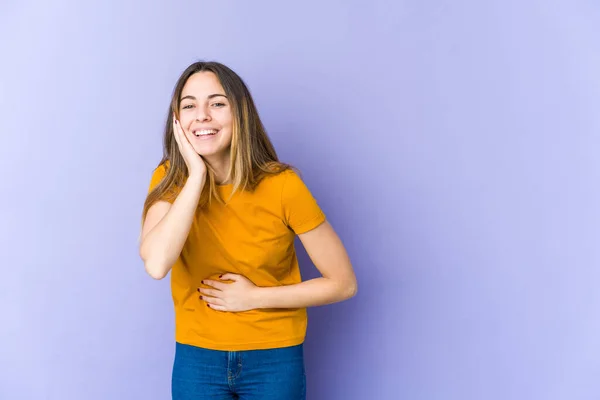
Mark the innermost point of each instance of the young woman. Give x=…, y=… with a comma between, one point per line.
x=221, y=214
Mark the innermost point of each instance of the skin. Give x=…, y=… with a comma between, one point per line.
x=163, y=235
x=204, y=105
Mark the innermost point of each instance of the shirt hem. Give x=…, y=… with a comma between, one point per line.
x=310, y=224
x=242, y=346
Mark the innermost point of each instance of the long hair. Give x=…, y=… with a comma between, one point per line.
x=252, y=155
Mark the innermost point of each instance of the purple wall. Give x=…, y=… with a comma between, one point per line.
x=454, y=145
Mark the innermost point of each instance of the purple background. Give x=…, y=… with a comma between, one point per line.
x=453, y=144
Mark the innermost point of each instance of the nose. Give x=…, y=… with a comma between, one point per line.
x=202, y=114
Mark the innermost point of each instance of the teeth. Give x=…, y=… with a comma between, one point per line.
x=205, y=132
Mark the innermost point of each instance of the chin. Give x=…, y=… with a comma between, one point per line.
x=212, y=153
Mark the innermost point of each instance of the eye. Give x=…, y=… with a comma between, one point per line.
x=187, y=106
x=219, y=105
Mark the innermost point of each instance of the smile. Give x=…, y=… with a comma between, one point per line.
x=205, y=132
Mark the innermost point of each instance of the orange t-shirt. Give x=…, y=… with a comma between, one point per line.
x=252, y=234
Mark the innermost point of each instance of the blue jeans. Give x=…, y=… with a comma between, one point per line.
x=273, y=374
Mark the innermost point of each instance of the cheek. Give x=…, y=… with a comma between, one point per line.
x=186, y=121
x=226, y=118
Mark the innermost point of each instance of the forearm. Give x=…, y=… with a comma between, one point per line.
x=162, y=245
x=311, y=293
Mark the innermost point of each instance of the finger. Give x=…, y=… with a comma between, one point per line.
x=179, y=131
x=215, y=284
x=217, y=307
x=230, y=277
x=176, y=133
x=210, y=292
x=213, y=301
x=182, y=134
x=183, y=143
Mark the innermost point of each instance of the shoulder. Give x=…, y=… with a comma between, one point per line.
x=160, y=170
x=281, y=176
x=282, y=182
x=279, y=185
x=158, y=174
x=300, y=208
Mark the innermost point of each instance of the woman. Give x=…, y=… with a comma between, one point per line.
x=221, y=215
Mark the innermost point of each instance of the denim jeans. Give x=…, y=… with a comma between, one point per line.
x=272, y=374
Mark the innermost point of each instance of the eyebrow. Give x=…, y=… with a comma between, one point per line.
x=209, y=97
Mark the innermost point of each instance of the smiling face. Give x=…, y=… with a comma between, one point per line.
x=206, y=117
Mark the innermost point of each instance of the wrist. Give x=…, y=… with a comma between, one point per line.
x=258, y=298
x=197, y=178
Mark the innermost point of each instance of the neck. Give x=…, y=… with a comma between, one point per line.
x=221, y=166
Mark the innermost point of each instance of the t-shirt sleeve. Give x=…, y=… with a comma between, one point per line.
x=157, y=176
x=301, y=211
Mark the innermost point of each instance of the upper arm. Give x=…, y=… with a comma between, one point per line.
x=301, y=212
x=160, y=208
x=154, y=215
x=304, y=216
x=327, y=252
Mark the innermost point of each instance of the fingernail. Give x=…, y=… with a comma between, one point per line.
x=198, y=289
x=208, y=305
x=220, y=276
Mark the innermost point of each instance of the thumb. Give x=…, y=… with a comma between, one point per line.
x=229, y=277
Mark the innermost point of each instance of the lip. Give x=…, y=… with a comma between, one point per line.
x=204, y=137
x=194, y=130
